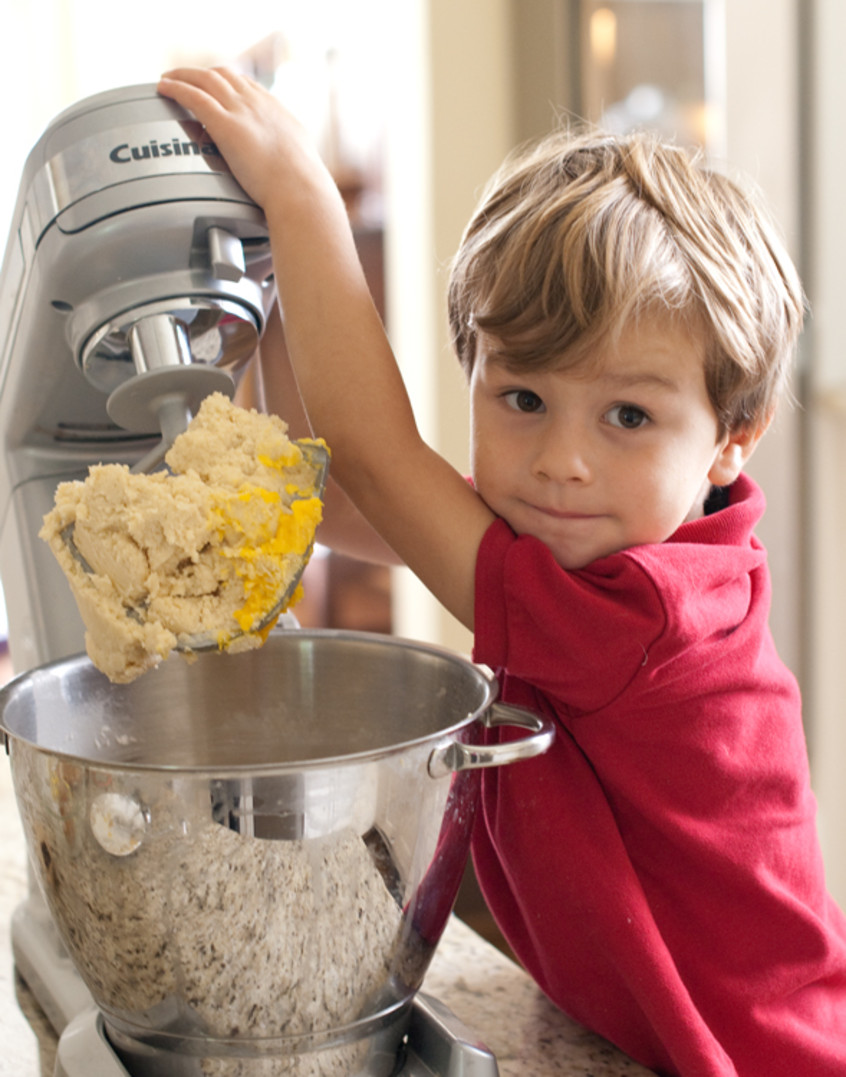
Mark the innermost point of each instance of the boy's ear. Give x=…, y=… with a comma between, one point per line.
x=734, y=450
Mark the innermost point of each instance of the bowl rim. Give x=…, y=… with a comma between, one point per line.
x=25, y=681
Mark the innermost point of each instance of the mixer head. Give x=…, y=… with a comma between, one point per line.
x=133, y=249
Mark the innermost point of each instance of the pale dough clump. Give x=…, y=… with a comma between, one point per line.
x=193, y=557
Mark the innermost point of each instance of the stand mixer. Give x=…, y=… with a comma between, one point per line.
x=137, y=280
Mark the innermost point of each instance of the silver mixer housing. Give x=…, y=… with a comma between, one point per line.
x=136, y=267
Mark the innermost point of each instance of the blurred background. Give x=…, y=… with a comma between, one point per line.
x=414, y=104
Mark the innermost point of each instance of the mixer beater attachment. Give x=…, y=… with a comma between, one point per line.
x=168, y=386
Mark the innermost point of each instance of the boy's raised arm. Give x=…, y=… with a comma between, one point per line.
x=344, y=366
x=272, y=387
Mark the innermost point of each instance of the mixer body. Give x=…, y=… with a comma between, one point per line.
x=136, y=280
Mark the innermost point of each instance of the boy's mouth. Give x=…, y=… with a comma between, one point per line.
x=565, y=514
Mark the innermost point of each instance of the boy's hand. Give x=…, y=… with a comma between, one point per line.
x=266, y=148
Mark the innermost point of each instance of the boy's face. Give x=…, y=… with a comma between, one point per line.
x=615, y=453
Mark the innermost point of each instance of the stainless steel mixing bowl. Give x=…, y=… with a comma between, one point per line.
x=251, y=858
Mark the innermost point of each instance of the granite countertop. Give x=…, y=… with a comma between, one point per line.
x=483, y=988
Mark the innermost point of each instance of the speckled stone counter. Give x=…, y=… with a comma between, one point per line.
x=483, y=988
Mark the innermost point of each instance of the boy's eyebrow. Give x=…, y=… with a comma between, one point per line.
x=622, y=379
x=637, y=378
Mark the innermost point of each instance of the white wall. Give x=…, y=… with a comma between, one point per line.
x=761, y=131
x=451, y=129
x=827, y=413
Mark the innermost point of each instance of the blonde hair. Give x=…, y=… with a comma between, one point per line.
x=580, y=234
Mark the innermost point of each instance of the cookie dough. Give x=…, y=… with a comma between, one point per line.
x=193, y=557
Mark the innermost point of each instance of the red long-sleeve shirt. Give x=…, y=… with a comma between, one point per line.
x=658, y=870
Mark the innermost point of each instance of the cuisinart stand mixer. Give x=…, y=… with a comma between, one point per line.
x=137, y=276
x=137, y=279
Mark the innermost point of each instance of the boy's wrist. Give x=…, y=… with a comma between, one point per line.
x=304, y=197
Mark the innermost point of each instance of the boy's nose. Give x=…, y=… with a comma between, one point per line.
x=562, y=456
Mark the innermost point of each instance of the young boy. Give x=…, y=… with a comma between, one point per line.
x=626, y=320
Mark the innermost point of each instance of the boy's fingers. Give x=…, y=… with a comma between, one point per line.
x=184, y=91
x=220, y=83
x=207, y=94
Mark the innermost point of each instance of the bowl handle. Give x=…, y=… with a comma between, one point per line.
x=452, y=757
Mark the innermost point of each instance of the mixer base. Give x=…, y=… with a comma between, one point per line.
x=438, y=1045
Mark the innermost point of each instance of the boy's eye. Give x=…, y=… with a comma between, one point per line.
x=626, y=416
x=524, y=400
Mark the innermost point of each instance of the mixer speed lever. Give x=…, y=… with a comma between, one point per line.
x=226, y=255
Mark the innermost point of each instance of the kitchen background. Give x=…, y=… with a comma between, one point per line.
x=415, y=103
